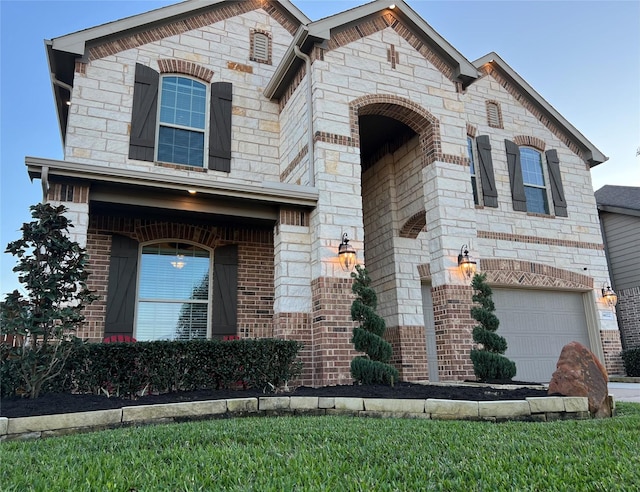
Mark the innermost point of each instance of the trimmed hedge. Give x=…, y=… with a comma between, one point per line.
x=130, y=369
x=631, y=358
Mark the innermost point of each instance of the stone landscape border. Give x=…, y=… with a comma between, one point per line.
x=539, y=409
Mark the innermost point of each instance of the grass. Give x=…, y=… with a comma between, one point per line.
x=335, y=454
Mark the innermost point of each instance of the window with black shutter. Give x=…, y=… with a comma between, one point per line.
x=180, y=132
x=121, y=289
x=485, y=169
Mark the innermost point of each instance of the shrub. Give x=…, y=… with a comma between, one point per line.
x=52, y=268
x=631, y=358
x=131, y=369
x=488, y=363
x=373, y=368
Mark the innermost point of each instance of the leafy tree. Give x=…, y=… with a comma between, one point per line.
x=52, y=269
x=488, y=363
x=373, y=368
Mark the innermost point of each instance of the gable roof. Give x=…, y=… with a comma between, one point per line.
x=326, y=29
x=64, y=51
x=494, y=65
x=619, y=199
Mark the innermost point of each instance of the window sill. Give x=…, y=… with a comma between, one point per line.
x=181, y=167
x=544, y=216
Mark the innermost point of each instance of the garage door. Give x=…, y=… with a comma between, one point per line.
x=537, y=324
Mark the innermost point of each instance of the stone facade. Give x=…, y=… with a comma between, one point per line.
x=407, y=205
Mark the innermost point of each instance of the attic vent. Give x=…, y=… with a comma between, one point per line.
x=494, y=115
x=260, y=47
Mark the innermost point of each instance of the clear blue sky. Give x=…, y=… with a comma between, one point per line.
x=583, y=57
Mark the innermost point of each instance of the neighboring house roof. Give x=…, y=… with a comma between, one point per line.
x=619, y=199
x=548, y=114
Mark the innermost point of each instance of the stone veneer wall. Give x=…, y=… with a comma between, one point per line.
x=629, y=316
x=255, y=267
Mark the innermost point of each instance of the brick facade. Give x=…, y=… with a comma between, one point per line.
x=407, y=209
x=628, y=309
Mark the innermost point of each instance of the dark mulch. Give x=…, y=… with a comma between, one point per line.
x=53, y=403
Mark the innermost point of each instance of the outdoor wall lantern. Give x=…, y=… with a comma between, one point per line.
x=466, y=265
x=346, y=254
x=609, y=296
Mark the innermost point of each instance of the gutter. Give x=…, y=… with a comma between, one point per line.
x=307, y=61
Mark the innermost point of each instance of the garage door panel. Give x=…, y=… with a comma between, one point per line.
x=537, y=324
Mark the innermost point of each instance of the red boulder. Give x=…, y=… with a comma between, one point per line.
x=580, y=373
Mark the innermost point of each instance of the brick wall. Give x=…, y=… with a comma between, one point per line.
x=255, y=267
x=453, y=325
x=629, y=317
x=409, y=354
x=296, y=326
x=612, y=348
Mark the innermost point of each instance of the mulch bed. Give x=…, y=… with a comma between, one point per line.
x=54, y=403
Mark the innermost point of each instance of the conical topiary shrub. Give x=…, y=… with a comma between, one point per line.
x=488, y=361
x=372, y=368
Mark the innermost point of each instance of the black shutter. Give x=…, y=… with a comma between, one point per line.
x=143, y=118
x=220, y=127
x=518, y=197
x=557, y=191
x=225, y=291
x=121, y=294
x=489, y=192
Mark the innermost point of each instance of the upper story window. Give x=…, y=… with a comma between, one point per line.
x=530, y=191
x=535, y=189
x=472, y=168
x=182, y=121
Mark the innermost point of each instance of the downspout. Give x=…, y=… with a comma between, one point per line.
x=44, y=181
x=307, y=61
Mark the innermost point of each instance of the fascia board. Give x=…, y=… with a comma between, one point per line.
x=76, y=42
x=285, y=67
x=273, y=192
x=619, y=210
x=322, y=29
x=592, y=154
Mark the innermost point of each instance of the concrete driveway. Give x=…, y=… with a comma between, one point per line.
x=625, y=391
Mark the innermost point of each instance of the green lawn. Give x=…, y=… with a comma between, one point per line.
x=335, y=454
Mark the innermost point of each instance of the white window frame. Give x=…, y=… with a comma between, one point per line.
x=545, y=178
x=209, y=293
x=204, y=131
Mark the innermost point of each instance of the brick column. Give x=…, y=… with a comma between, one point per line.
x=409, y=354
x=453, y=324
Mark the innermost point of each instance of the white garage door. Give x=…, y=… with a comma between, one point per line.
x=537, y=324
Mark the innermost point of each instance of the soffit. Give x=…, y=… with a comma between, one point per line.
x=492, y=64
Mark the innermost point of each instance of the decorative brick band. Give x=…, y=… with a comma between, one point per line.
x=529, y=274
x=59, y=192
x=294, y=217
x=80, y=68
x=215, y=14
x=185, y=67
x=518, y=238
x=529, y=105
x=471, y=130
x=333, y=138
x=424, y=271
x=293, y=85
x=416, y=224
x=535, y=142
x=293, y=164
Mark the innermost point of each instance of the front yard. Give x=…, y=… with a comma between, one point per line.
x=335, y=453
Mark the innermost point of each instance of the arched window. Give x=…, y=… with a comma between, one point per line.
x=182, y=121
x=535, y=189
x=174, y=292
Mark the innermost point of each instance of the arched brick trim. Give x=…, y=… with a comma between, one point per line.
x=411, y=114
x=185, y=67
x=535, y=142
x=424, y=271
x=414, y=225
x=224, y=10
x=529, y=274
